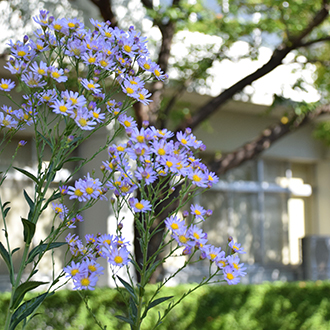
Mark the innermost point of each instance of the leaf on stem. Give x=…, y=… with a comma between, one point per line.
x=128, y=287
x=158, y=301
x=43, y=248
x=125, y=319
x=29, y=230
x=26, y=309
x=5, y=256
x=22, y=290
x=26, y=173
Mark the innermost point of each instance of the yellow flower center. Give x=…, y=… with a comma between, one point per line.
x=184, y=141
x=120, y=148
x=140, y=138
x=41, y=71
x=139, y=206
x=183, y=239
x=174, y=226
x=74, y=272
x=91, y=60
x=63, y=108
x=71, y=25
x=127, y=123
x=21, y=53
x=57, y=27
x=161, y=152
x=82, y=122
x=196, y=235
x=212, y=256
x=230, y=276
x=89, y=190
x=55, y=74
x=78, y=192
x=196, y=178
x=146, y=66
x=92, y=268
x=157, y=73
x=129, y=90
x=91, y=86
x=127, y=48
x=103, y=63
x=4, y=86
x=85, y=282
x=118, y=259
x=169, y=164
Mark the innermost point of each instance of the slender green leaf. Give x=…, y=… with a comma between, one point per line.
x=29, y=230
x=43, y=248
x=26, y=309
x=71, y=159
x=158, y=301
x=133, y=308
x=22, y=290
x=28, y=199
x=5, y=212
x=128, y=287
x=5, y=255
x=125, y=319
x=15, y=250
x=26, y=173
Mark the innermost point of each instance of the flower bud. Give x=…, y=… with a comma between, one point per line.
x=102, y=168
x=25, y=39
x=51, y=19
x=145, y=123
x=120, y=226
x=188, y=130
x=185, y=214
x=209, y=213
x=230, y=238
x=112, y=200
x=70, y=138
x=22, y=143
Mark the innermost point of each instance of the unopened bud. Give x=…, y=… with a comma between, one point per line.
x=120, y=226
x=209, y=213
x=25, y=39
x=102, y=168
x=230, y=238
x=112, y=200
x=145, y=123
x=185, y=214
x=51, y=19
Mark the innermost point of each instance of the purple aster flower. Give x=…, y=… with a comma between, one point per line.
x=6, y=85
x=197, y=211
x=236, y=247
x=231, y=275
x=140, y=206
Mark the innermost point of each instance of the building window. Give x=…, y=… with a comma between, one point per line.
x=262, y=205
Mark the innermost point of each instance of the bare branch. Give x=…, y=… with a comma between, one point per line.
x=275, y=60
x=269, y=136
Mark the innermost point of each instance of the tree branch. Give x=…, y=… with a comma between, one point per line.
x=106, y=11
x=265, y=140
x=276, y=59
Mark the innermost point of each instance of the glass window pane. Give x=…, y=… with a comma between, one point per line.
x=275, y=228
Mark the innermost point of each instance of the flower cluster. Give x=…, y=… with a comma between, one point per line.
x=193, y=238
x=106, y=55
x=158, y=157
x=84, y=269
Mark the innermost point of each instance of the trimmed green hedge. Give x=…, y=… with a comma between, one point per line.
x=271, y=306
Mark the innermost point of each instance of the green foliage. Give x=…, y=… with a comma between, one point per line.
x=271, y=306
